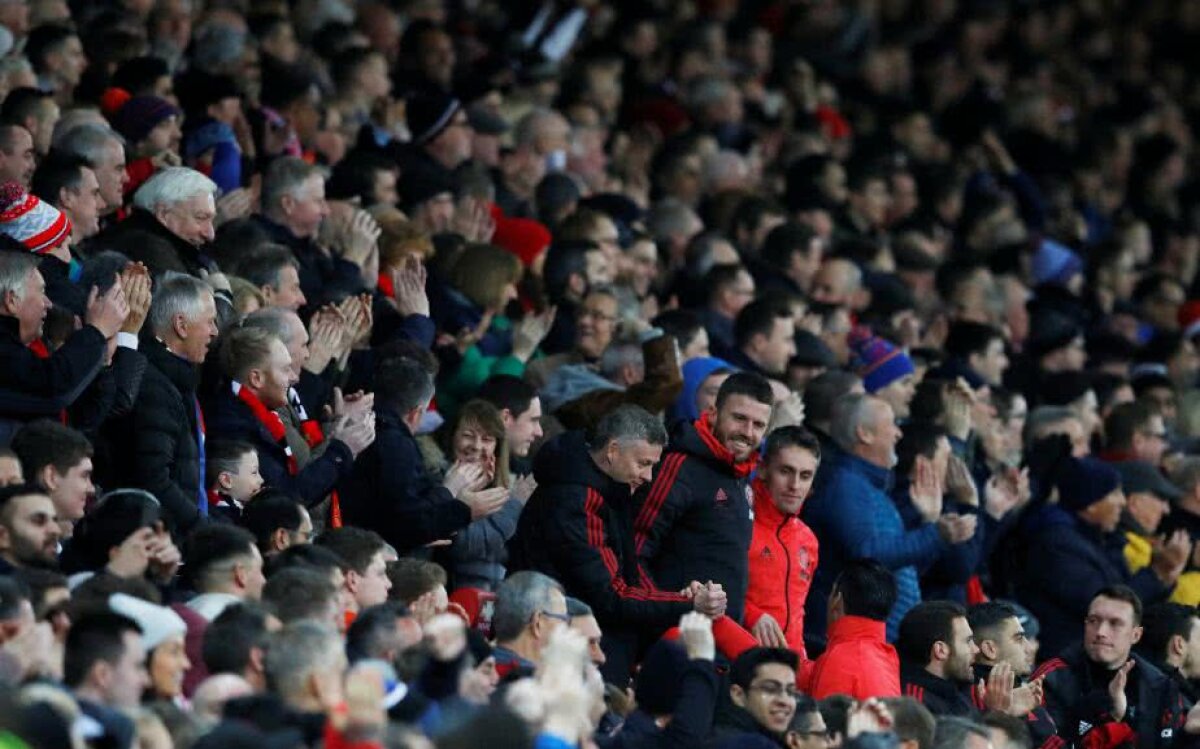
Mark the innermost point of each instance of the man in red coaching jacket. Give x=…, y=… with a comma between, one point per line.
x=783, y=550
x=694, y=522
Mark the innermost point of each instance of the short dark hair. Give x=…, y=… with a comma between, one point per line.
x=1124, y=421
x=9, y=493
x=305, y=556
x=48, y=443
x=44, y=41
x=271, y=510
x=745, y=667
x=927, y=623
x=39, y=581
x=868, y=589
x=356, y=546
x=95, y=636
x=402, y=384
x=577, y=608
x=758, y=318
x=1160, y=623
x=919, y=439
x=54, y=173
x=298, y=592
x=354, y=176
x=507, y=392
x=825, y=390
x=230, y=637
x=681, y=324
x=263, y=264
x=806, y=707
x=139, y=75
x=22, y=103
x=1122, y=593
x=912, y=721
x=791, y=436
x=985, y=617
x=413, y=578
x=966, y=338
x=749, y=384
x=215, y=544
x=719, y=276
x=952, y=732
x=366, y=635
x=223, y=456
x=784, y=241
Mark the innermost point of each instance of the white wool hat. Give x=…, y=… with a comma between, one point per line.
x=157, y=622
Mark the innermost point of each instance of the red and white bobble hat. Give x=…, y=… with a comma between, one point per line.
x=36, y=224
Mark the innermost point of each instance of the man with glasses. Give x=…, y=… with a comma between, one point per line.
x=807, y=729
x=1135, y=432
x=762, y=688
x=530, y=606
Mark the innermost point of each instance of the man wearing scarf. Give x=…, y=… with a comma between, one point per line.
x=695, y=520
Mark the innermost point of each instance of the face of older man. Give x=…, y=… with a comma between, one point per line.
x=110, y=172
x=191, y=220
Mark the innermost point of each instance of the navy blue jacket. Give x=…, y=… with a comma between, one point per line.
x=852, y=514
x=389, y=492
x=1066, y=564
x=691, y=723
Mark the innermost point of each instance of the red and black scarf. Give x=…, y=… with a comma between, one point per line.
x=311, y=430
x=269, y=421
x=722, y=453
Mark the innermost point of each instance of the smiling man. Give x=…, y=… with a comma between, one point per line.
x=694, y=522
x=783, y=550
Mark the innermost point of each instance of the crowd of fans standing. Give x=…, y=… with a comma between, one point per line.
x=775, y=373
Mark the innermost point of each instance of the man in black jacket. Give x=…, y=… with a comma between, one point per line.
x=1171, y=641
x=762, y=688
x=166, y=429
x=694, y=521
x=1001, y=639
x=1103, y=686
x=578, y=528
x=389, y=491
x=29, y=368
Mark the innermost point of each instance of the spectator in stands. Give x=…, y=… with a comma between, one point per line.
x=529, y=607
x=764, y=339
x=167, y=426
x=226, y=568
x=231, y=477
x=691, y=524
x=1103, y=687
x=275, y=273
x=104, y=665
x=521, y=410
x=762, y=688
x=29, y=531
x=1000, y=637
x=584, y=487
x=583, y=621
x=278, y=521
x=366, y=571
x=1171, y=643
x=937, y=651
x=858, y=660
x=59, y=460
x=17, y=155
x=236, y=643
x=303, y=593
x=70, y=185
x=1135, y=431
x=783, y=550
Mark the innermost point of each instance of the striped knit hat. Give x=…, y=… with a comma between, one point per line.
x=877, y=361
x=39, y=226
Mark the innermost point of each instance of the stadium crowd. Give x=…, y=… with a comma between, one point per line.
x=809, y=374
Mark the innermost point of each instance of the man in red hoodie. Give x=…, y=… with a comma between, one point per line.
x=783, y=550
x=858, y=661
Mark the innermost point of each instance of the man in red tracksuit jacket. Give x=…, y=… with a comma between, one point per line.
x=783, y=550
x=694, y=522
x=857, y=660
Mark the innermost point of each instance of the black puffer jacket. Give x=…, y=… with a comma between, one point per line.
x=694, y=520
x=163, y=455
x=578, y=528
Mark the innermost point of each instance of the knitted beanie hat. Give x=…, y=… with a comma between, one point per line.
x=158, y=623
x=429, y=114
x=38, y=225
x=877, y=361
x=1082, y=482
x=141, y=114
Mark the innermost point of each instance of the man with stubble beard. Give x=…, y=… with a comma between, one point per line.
x=694, y=520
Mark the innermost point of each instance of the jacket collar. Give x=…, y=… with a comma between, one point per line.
x=877, y=475
x=858, y=628
x=10, y=327
x=764, y=506
x=941, y=687
x=184, y=375
x=145, y=220
x=700, y=440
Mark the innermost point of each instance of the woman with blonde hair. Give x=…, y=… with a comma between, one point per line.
x=476, y=557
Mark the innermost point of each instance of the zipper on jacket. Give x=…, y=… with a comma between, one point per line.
x=787, y=576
